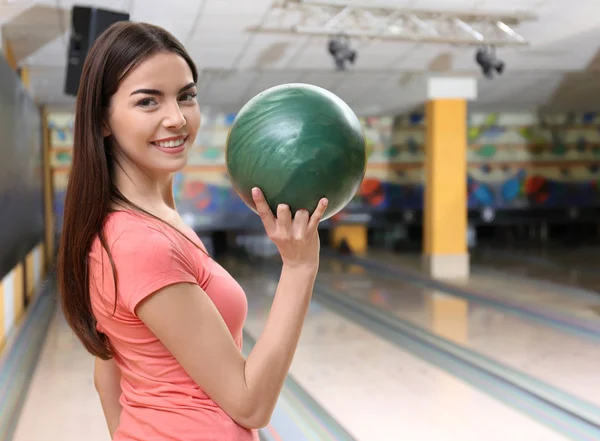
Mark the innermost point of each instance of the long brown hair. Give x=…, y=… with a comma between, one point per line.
x=90, y=190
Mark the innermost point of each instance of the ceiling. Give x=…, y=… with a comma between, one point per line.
x=558, y=70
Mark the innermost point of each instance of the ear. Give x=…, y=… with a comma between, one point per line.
x=106, y=130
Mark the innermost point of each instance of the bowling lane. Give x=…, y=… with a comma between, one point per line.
x=555, y=357
x=506, y=286
x=571, y=268
x=378, y=391
x=61, y=403
x=583, y=258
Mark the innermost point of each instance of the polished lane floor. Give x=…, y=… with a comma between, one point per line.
x=558, y=358
x=577, y=267
x=512, y=282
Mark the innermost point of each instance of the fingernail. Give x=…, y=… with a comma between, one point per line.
x=325, y=202
x=255, y=191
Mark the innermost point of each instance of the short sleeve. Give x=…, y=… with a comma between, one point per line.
x=147, y=260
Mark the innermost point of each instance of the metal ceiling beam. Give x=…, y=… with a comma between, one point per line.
x=328, y=18
x=514, y=17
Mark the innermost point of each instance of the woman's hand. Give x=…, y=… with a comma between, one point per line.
x=296, y=239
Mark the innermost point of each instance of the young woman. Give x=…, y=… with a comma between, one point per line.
x=162, y=318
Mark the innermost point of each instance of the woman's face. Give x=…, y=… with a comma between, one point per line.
x=154, y=116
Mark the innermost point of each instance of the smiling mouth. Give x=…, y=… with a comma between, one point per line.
x=173, y=143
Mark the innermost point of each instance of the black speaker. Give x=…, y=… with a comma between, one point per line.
x=87, y=23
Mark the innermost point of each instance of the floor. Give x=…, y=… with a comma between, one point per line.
x=379, y=390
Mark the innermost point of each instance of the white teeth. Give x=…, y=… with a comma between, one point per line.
x=171, y=144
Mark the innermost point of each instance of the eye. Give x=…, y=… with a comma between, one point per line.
x=189, y=96
x=147, y=102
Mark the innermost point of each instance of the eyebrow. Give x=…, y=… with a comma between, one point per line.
x=158, y=92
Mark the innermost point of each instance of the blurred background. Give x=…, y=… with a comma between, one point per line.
x=458, y=296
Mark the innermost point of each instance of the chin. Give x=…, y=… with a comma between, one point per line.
x=170, y=166
x=176, y=169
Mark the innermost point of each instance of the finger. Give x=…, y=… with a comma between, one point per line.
x=300, y=223
x=263, y=209
x=318, y=214
x=284, y=219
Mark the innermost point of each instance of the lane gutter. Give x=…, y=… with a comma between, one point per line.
x=20, y=356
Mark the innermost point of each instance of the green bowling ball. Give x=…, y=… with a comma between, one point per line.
x=298, y=143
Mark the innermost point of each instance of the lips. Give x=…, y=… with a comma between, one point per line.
x=173, y=142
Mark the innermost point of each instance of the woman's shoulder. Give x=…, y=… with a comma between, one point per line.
x=144, y=244
x=128, y=231
x=128, y=225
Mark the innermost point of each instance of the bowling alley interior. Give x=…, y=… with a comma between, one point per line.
x=456, y=286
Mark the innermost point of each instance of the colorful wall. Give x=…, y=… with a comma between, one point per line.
x=516, y=160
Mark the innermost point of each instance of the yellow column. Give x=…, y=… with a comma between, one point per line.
x=19, y=292
x=24, y=74
x=445, y=205
x=29, y=274
x=48, y=195
x=355, y=235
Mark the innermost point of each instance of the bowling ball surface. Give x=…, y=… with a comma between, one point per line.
x=297, y=143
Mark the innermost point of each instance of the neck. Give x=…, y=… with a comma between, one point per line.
x=153, y=193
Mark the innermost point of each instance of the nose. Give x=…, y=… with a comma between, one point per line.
x=174, y=118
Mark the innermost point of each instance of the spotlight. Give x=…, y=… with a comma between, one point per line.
x=499, y=67
x=488, y=62
x=339, y=49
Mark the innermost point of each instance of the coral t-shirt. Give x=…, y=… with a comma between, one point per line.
x=160, y=400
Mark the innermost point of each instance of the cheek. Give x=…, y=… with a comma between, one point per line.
x=192, y=117
x=132, y=130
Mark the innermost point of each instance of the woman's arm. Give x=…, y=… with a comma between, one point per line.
x=107, y=380
x=187, y=322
